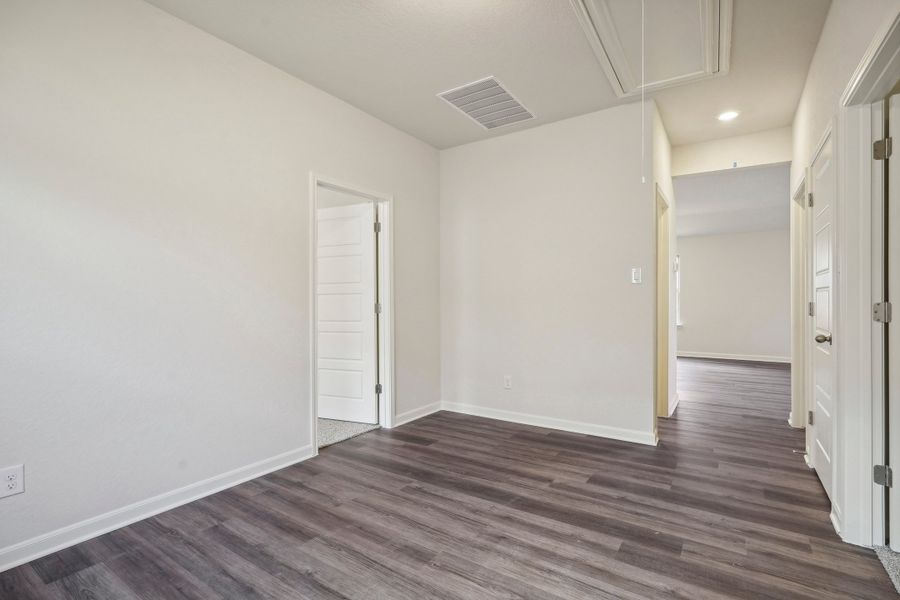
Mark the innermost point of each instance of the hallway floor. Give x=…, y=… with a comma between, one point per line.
x=460, y=507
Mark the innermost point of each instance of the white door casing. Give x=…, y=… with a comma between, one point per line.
x=346, y=320
x=893, y=329
x=822, y=250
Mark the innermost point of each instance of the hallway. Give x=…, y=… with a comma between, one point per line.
x=454, y=506
x=737, y=413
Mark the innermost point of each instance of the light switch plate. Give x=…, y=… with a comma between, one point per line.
x=636, y=275
x=12, y=481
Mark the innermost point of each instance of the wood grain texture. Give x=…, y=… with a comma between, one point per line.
x=460, y=507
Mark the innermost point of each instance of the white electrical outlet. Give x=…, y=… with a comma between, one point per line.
x=12, y=481
x=507, y=382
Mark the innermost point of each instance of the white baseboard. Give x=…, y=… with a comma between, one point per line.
x=799, y=424
x=627, y=435
x=673, y=404
x=750, y=357
x=416, y=413
x=836, y=521
x=42, y=545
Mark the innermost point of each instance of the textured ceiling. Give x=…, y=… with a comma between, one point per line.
x=391, y=57
x=736, y=200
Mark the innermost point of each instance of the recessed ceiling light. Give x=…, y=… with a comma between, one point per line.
x=728, y=115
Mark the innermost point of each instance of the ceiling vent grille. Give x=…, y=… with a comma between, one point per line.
x=488, y=103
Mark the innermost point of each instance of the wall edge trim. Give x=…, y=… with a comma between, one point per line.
x=416, y=413
x=750, y=357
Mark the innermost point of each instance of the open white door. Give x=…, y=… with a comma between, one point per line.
x=822, y=425
x=893, y=329
x=346, y=320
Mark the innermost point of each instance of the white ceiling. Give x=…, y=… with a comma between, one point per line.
x=391, y=57
x=772, y=45
x=736, y=200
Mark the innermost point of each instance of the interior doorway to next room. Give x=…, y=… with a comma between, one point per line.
x=351, y=310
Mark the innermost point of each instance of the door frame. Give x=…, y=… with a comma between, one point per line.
x=385, y=264
x=664, y=406
x=860, y=441
x=801, y=298
x=881, y=398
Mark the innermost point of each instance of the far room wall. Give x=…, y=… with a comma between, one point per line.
x=539, y=232
x=735, y=295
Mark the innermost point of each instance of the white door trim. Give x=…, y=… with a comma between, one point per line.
x=876, y=73
x=663, y=404
x=890, y=173
x=878, y=334
x=861, y=406
x=800, y=299
x=385, y=204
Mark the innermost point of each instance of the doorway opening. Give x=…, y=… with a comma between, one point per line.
x=351, y=308
x=733, y=289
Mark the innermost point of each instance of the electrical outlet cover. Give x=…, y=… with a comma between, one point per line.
x=12, y=481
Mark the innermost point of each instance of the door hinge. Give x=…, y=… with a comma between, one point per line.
x=378, y=308
x=378, y=388
x=809, y=199
x=377, y=226
x=809, y=418
x=884, y=476
x=881, y=312
x=812, y=309
x=881, y=150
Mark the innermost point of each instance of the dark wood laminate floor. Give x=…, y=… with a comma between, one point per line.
x=460, y=507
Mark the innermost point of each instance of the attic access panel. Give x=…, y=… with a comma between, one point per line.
x=685, y=40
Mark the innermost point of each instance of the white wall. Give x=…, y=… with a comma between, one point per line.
x=735, y=295
x=154, y=284
x=849, y=29
x=539, y=231
x=754, y=149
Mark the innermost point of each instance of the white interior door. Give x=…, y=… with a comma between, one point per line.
x=346, y=319
x=823, y=428
x=893, y=329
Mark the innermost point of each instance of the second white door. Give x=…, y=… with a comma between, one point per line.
x=823, y=425
x=346, y=291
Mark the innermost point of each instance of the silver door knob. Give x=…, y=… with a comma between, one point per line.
x=821, y=339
